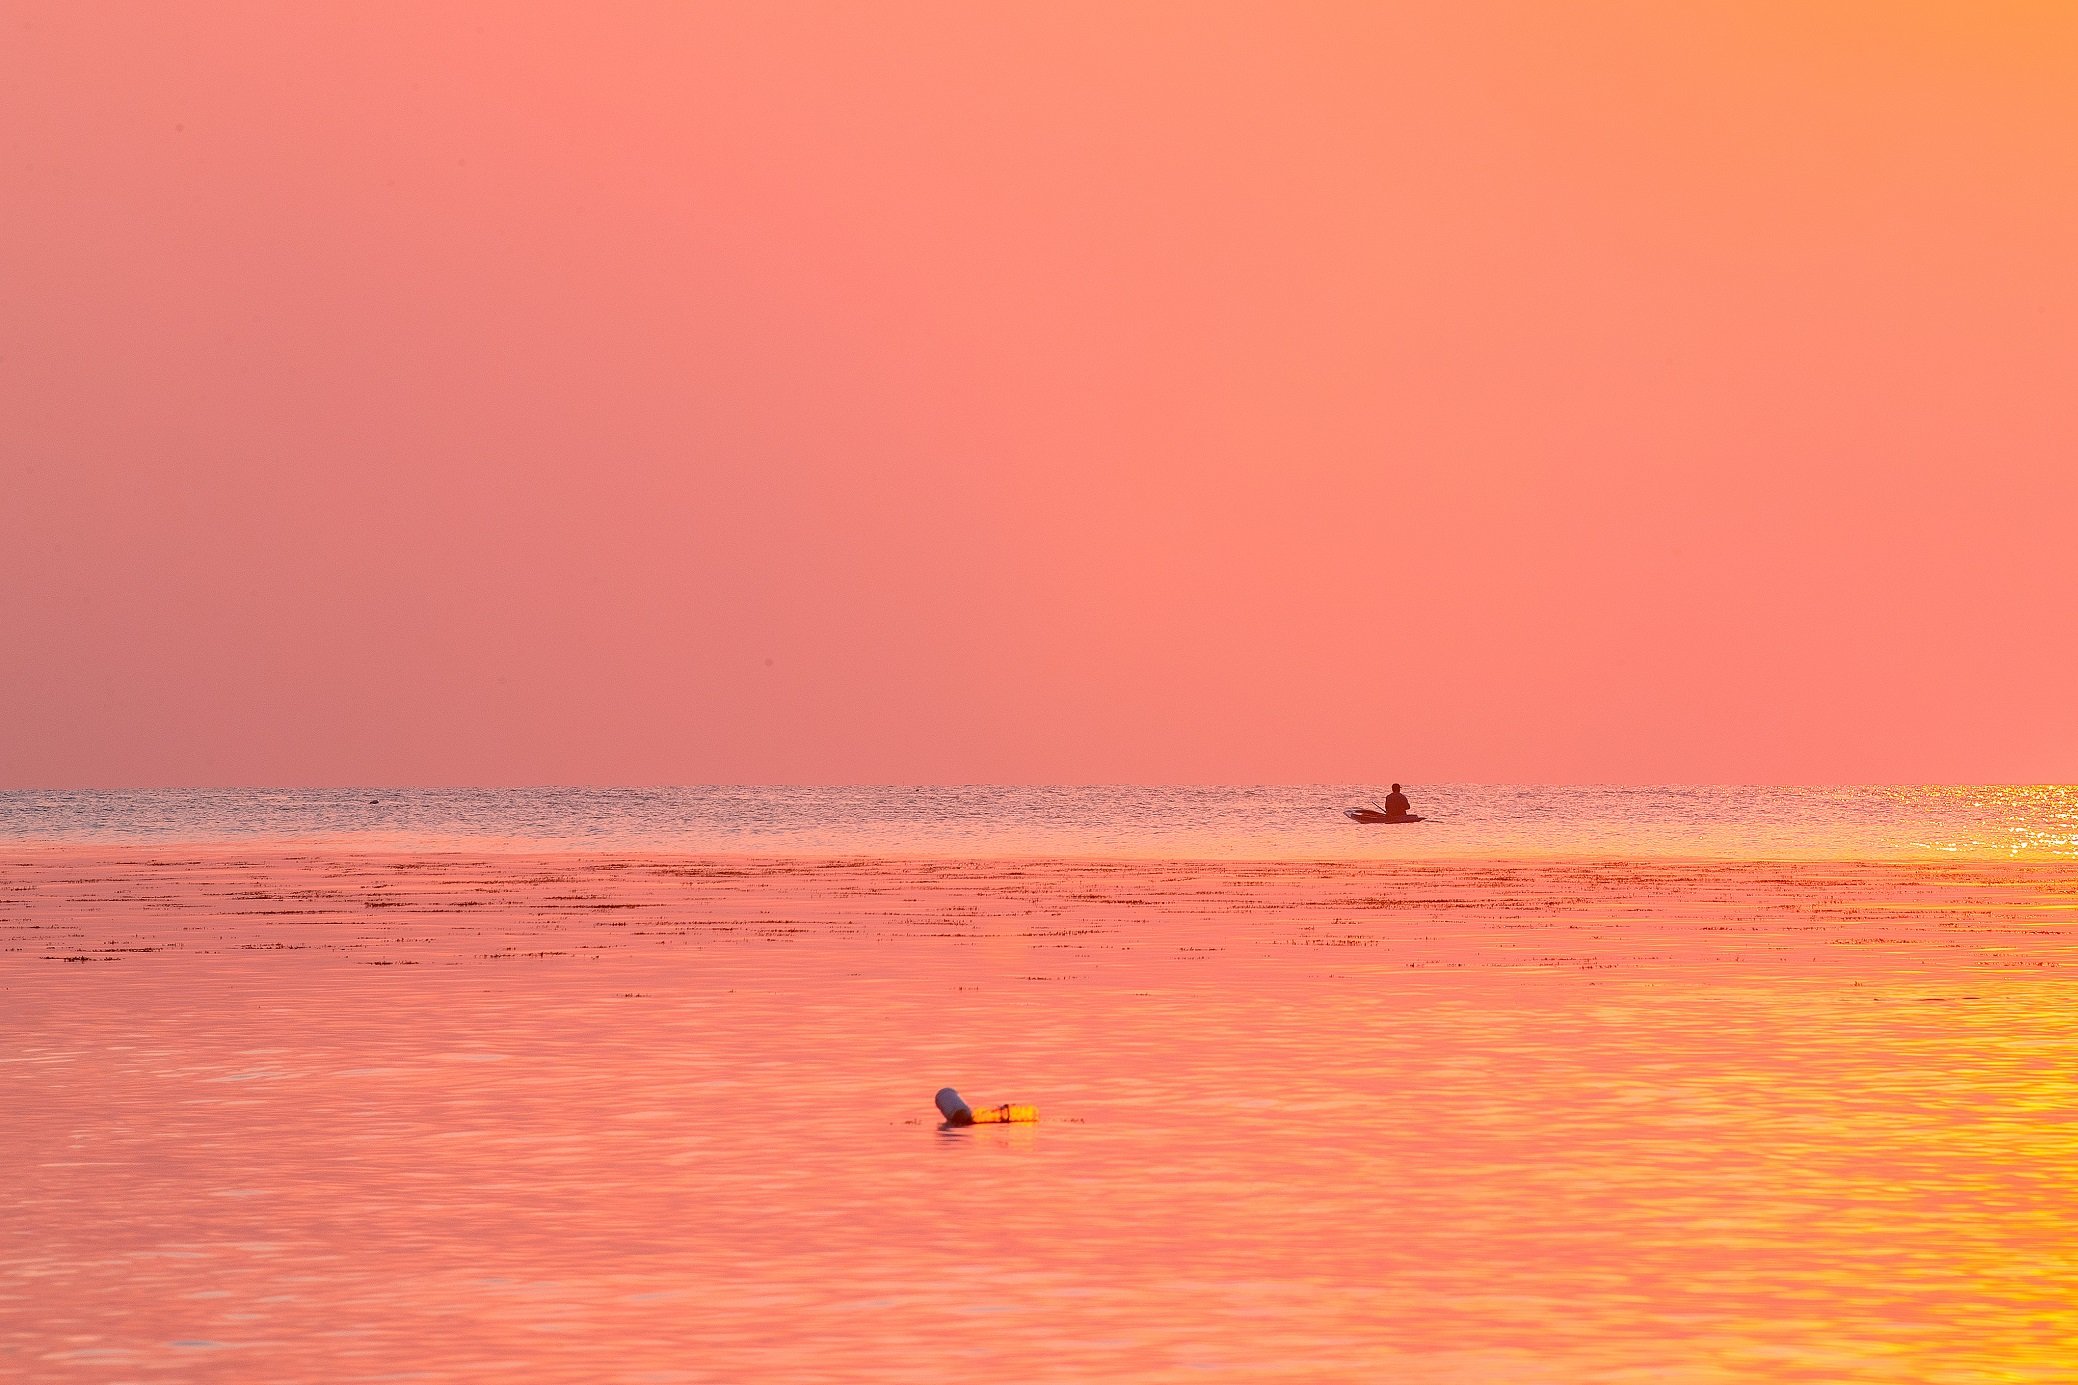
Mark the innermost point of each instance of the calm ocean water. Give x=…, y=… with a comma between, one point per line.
x=341, y=1117
x=1260, y=822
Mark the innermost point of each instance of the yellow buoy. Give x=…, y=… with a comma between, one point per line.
x=1006, y=1114
x=958, y=1112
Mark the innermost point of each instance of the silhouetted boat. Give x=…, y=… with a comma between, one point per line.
x=1373, y=815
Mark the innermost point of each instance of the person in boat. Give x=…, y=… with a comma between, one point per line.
x=1396, y=805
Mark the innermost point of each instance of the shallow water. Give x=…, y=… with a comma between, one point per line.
x=314, y=1115
x=1165, y=822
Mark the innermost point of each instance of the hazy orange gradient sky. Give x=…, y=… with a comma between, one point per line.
x=661, y=393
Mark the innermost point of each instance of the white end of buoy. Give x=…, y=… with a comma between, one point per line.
x=955, y=1111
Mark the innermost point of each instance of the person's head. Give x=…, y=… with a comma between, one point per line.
x=1396, y=788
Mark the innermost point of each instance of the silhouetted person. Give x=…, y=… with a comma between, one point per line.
x=1396, y=804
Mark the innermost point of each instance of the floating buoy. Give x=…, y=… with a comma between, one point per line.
x=1008, y=1113
x=958, y=1112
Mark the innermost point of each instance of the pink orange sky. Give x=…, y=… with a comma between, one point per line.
x=654, y=393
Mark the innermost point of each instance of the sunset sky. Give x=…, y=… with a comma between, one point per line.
x=673, y=393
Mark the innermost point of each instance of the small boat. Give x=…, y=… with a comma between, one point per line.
x=1373, y=815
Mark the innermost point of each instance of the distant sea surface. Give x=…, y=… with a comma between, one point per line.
x=1258, y=822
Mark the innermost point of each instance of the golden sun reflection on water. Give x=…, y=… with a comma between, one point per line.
x=325, y=1117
